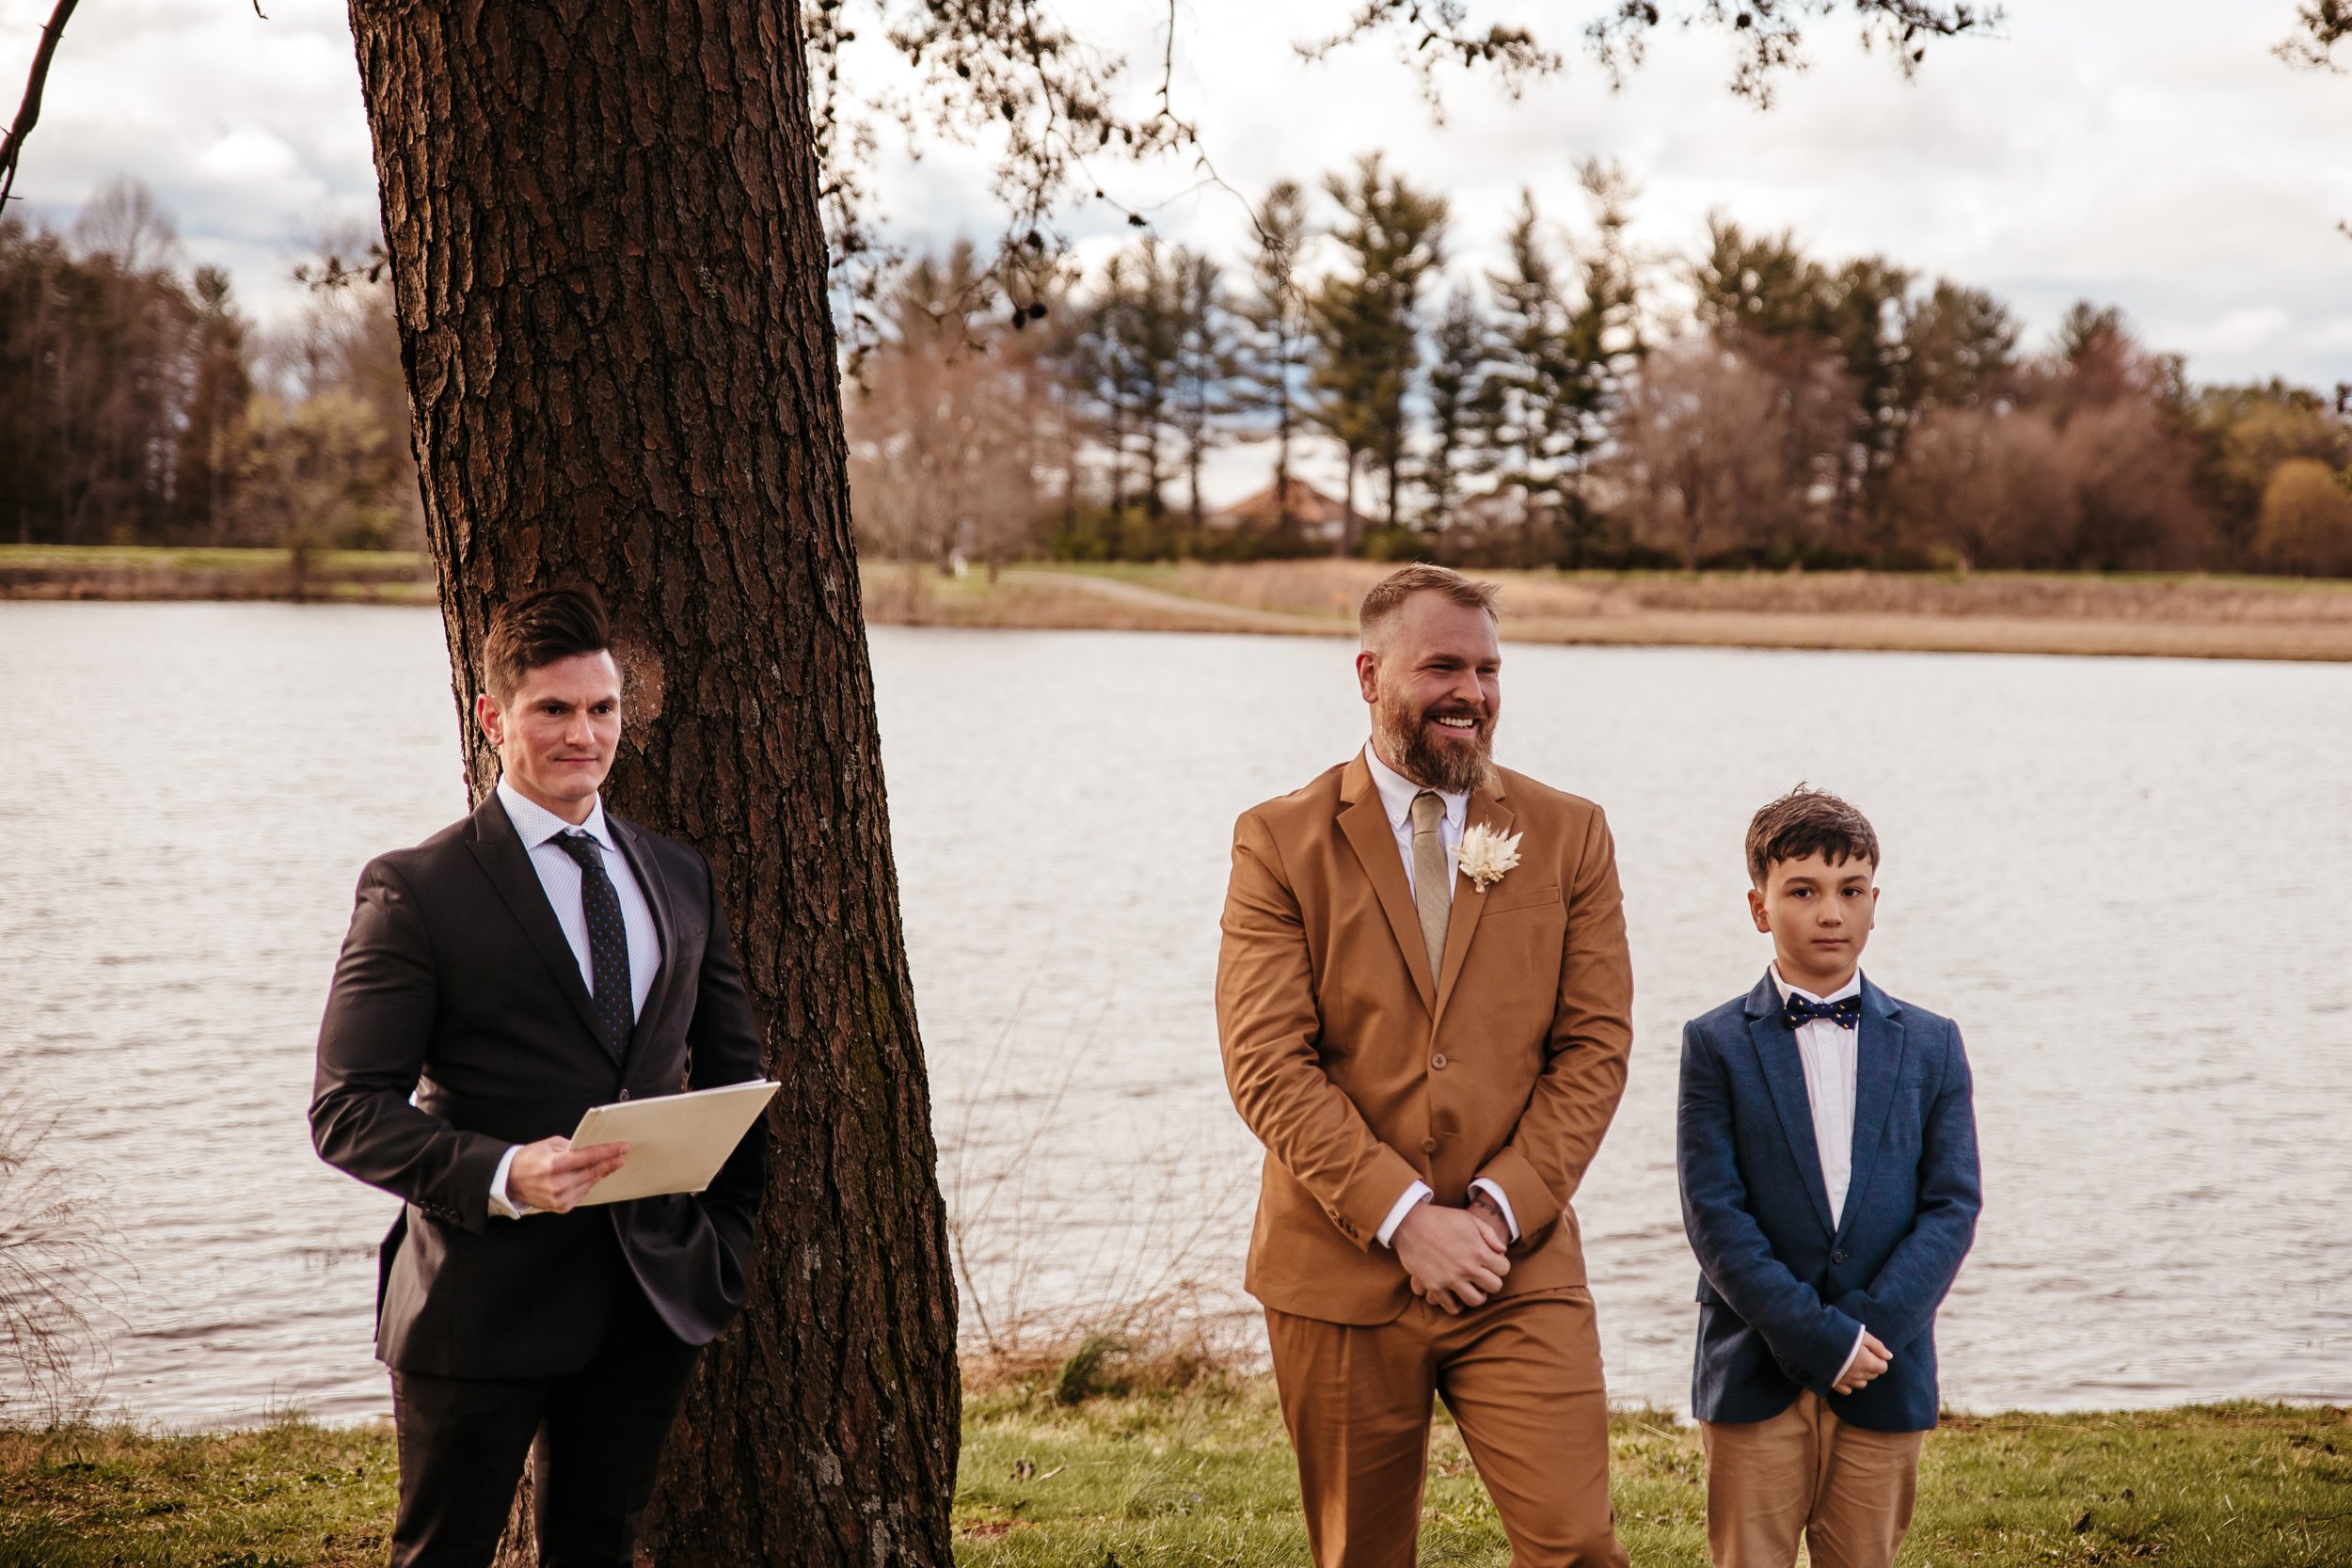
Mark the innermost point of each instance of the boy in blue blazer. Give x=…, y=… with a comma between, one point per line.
x=1827, y=1151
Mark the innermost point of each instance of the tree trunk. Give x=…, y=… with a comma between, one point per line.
x=1347, y=507
x=1282, y=461
x=611, y=282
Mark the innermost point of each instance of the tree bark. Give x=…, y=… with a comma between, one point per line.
x=611, y=280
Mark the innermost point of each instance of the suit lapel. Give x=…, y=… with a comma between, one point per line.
x=1485, y=810
x=1365, y=822
x=1877, y=1064
x=499, y=849
x=1784, y=1075
x=647, y=868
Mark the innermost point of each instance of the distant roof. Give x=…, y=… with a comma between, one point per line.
x=1308, y=507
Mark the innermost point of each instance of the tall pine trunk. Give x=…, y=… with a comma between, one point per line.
x=1282, y=510
x=611, y=282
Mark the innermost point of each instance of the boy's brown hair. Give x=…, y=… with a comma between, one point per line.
x=539, y=629
x=1808, y=821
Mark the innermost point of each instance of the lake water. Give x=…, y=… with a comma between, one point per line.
x=2131, y=880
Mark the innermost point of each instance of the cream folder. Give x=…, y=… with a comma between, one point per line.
x=676, y=1142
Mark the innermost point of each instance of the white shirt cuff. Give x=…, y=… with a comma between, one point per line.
x=1493, y=1189
x=1859, y=1334
x=1413, y=1195
x=506, y=1208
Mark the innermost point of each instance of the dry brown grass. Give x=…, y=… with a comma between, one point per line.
x=1054, y=601
x=2189, y=617
x=1539, y=598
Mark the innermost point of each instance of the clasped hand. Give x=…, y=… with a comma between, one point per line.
x=1456, y=1256
x=1869, y=1361
x=552, y=1174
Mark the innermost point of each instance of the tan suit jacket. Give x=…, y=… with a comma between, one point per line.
x=1360, y=1073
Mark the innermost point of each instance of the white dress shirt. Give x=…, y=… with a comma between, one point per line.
x=1397, y=794
x=559, y=878
x=1829, y=1053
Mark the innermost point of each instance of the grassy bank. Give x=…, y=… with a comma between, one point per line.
x=2015, y=612
x=138, y=572
x=1204, y=1478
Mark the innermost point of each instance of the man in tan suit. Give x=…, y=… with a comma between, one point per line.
x=1430, y=1059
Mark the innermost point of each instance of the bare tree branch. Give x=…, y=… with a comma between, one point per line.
x=2320, y=25
x=28, y=110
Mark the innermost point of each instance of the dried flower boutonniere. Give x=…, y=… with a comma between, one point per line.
x=1486, y=855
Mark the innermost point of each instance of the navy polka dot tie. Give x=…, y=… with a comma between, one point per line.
x=612, y=1006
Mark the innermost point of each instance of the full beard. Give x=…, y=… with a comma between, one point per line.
x=1425, y=753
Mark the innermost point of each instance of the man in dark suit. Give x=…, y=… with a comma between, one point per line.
x=1827, y=1149
x=534, y=959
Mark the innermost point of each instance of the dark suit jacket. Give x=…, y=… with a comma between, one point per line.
x=456, y=983
x=1784, y=1285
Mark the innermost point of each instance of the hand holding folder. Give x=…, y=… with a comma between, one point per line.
x=676, y=1142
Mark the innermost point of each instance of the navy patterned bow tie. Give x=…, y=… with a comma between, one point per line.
x=1797, y=1012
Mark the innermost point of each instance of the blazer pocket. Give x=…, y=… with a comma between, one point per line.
x=1503, y=901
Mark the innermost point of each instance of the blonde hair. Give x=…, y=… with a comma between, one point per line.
x=1389, y=594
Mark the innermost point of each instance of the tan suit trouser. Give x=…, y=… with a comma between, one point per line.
x=1847, y=1489
x=1521, y=1376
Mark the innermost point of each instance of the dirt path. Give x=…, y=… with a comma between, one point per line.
x=1241, y=617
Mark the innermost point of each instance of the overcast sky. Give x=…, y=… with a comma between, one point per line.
x=2151, y=153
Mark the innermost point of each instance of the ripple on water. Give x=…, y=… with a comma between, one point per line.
x=2156, y=1096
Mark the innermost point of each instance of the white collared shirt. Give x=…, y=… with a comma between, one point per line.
x=1397, y=794
x=1830, y=1055
x=559, y=878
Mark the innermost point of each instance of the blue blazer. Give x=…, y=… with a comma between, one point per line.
x=1784, y=1284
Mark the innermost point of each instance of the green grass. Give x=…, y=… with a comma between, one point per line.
x=165, y=558
x=282, y=1494
x=1202, y=1478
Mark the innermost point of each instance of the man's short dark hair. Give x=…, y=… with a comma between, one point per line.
x=536, y=630
x=1808, y=821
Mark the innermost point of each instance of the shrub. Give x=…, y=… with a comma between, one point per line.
x=2306, y=520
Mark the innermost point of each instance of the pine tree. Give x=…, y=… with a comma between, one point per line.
x=1206, y=365
x=1604, y=340
x=1366, y=319
x=1276, y=346
x=1960, y=347
x=221, y=383
x=1562, y=351
x=1456, y=385
x=1139, y=330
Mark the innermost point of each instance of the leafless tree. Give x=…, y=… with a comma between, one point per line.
x=1992, y=489
x=947, y=425
x=1701, y=466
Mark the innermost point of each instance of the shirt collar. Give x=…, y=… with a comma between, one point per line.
x=1851, y=988
x=1397, y=793
x=535, y=824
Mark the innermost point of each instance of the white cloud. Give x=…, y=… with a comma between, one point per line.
x=2152, y=156
x=249, y=154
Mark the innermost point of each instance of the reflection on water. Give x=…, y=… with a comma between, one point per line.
x=2124, y=877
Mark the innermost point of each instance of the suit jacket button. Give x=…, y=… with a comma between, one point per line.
x=1437, y=1061
x=624, y=1094
x=1429, y=1146
x=1836, y=1257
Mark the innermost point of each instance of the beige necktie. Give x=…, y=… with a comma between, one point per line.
x=1432, y=880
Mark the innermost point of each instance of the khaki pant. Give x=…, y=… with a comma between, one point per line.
x=1848, y=1490
x=1521, y=1376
